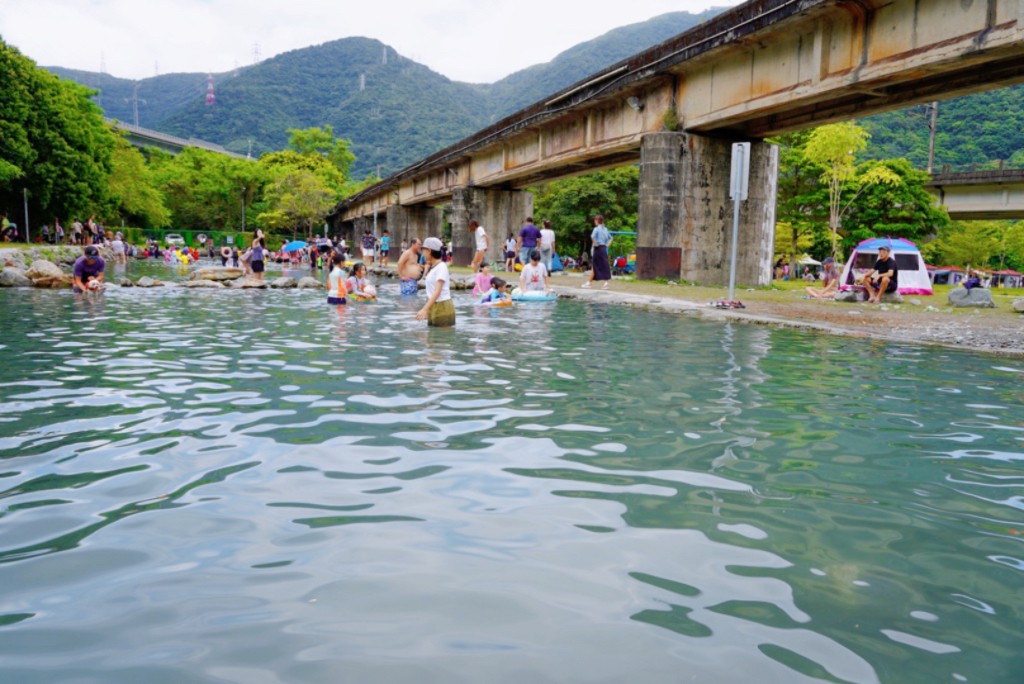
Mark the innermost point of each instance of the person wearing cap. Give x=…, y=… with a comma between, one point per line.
x=88, y=271
x=829, y=281
x=882, y=278
x=439, y=310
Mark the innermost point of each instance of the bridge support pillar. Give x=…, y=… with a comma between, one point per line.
x=405, y=223
x=500, y=212
x=684, y=225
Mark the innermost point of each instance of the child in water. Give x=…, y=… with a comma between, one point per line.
x=336, y=281
x=497, y=293
x=483, y=280
x=357, y=284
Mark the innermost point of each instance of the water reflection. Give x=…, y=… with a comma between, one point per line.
x=223, y=485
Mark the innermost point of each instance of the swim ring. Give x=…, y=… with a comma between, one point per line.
x=532, y=296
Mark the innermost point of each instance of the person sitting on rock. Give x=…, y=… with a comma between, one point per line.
x=972, y=280
x=88, y=273
x=881, y=279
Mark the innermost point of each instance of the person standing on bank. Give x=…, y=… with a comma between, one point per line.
x=439, y=310
x=482, y=244
x=547, y=245
x=529, y=236
x=601, y=268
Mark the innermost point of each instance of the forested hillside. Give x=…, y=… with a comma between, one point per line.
x=395, y=111
x=979, y=129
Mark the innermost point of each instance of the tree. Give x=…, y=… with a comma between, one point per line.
x=206, y=190
x=972, y=243
x=801, y=208
x=133, y=193
x=53, y=141
x=571, y=205
x=835, y=147
x=897, y=206
x=298, y=199
x=321, y=142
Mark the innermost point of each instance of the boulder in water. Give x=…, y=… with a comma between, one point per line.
x=308, y=283
x=251, y=284
x=44, y=270
x=977, y=296
x=283, y=283
x=191, y=284
x=14, y=277
x=146, y=281
x=217, y=273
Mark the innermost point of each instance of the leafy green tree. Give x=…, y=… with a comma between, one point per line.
x=133, y=193
x=206, y=190
x=897, y=206
x=971, y=243
x=286, y=162
x=572, y=203
x=53, y=141
x=299, y=200
x=318, y=141
x=835, y=147
x=802, y=205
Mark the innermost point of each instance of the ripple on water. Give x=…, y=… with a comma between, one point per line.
x=569, y=492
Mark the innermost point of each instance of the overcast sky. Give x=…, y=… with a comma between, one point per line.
x=479, y=41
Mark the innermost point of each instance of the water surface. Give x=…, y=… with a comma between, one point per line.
x=204, y=486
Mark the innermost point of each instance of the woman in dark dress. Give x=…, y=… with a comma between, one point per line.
x=601, y=238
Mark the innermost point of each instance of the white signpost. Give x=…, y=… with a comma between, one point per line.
x=738, y=192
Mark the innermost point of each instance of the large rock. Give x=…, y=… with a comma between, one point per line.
x=283, y=283
x=146, y=281
x=308, y=283
x=14, y=277
x=126, y=282
x=217, y=273
x=202, y=283
x=252, y=284
x=53, y=282
x=862, y=296
x=44, y=269
x=976, y=296
x=1018, y=305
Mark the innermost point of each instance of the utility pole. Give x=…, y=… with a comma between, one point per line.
x=243, y=209
x=932, y=126
x=25, y=195
x=135, y=102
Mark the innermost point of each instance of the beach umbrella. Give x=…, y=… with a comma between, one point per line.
x=294, y=246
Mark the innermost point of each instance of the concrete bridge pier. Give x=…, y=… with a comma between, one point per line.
x=684, y=225
x=500, y=212
x=407, y=222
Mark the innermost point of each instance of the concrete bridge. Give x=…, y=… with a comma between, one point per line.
x=144, y=137
x=763, y=68
x=980, y=195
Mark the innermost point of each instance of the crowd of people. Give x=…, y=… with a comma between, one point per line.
x=531, y=252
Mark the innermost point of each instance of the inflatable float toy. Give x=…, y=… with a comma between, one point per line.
x=500, y=302
x=533, y=296
x=225, y=252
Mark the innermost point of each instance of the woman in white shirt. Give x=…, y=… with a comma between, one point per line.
x=547, y=245
x=482, y=242
x=439, y=310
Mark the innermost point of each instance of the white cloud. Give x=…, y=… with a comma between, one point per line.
x=466, y=40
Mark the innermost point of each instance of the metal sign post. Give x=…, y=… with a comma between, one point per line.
x=738, y=192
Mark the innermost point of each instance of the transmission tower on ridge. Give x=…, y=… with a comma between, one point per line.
x=135, y=100
x=211, y=97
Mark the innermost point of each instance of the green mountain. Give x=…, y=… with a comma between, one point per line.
x=396, y=111
x=393, y=110
x=981, y=129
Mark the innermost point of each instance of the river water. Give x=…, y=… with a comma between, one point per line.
x=254, y=487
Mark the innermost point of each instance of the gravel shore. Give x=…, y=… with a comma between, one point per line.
x=920, y=320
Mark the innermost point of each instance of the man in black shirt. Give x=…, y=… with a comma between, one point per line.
x=882, y=278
